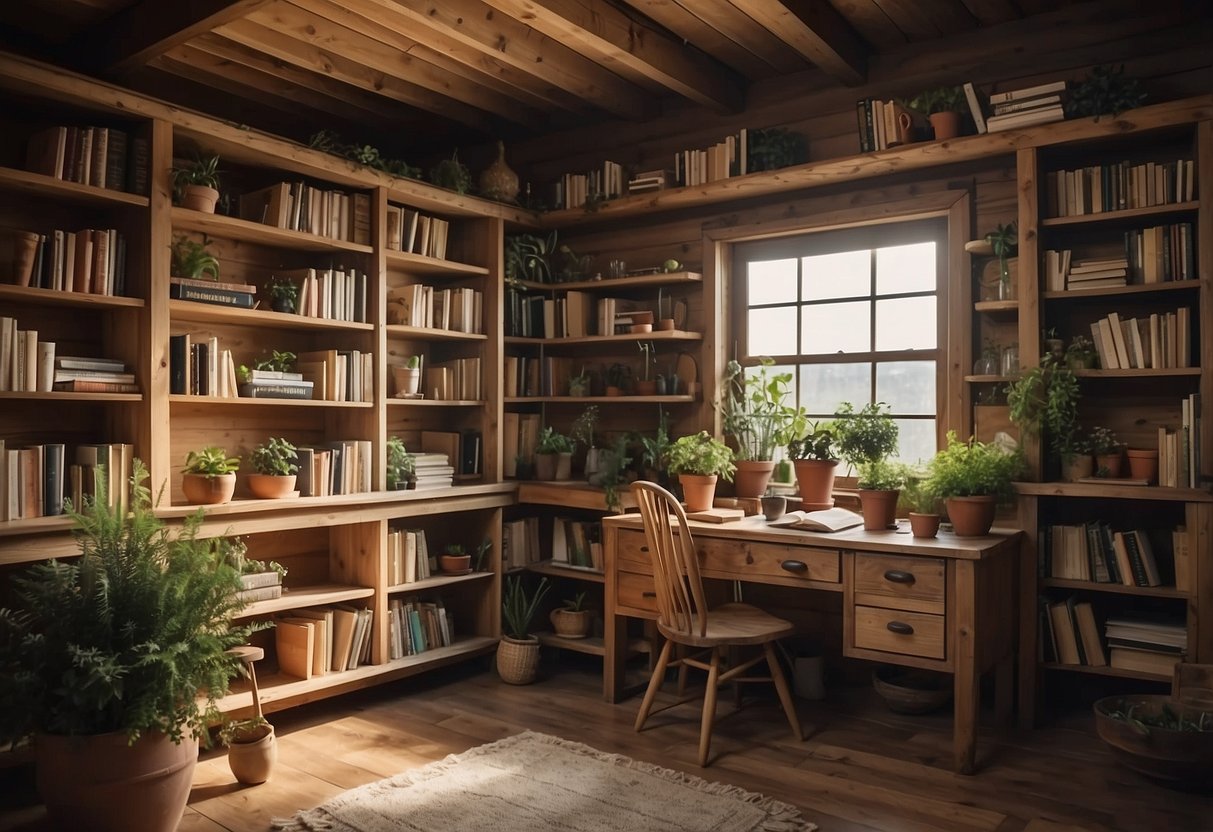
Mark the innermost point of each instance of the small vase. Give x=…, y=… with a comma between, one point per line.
x=773, y=507
x=564, y=465
x=252, y=760
x=498, y=181
x=545, y=466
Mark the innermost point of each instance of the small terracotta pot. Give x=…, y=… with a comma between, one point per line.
x=815, y=478
x=200, y=198
x=646, y=388
x=752, y=477
x=639, y=328
x=252, y=760
x=1143, y=464
x=271, y=487
x=25, y=252
x=924, y=525
x=455, y=564
x=879, y=508
x=698, y=492
x=202, y=490
x=569, y=623
x=1080, y=466
x=614, y=391
x=1109, y=463
x=946, y=125
x=971, y=516
x=643, y=318
x=664, y=325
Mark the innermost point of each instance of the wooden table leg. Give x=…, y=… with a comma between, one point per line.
x=966, y=680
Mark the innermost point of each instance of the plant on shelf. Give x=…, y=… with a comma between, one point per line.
x=699, y=460
x=570, y=265
x=579, y=385
x=618, y=379
x=455, y=560
x=553, y=455
x=1044, y=399
x=115, y=661
x=482, y=553
x=1004, y=240
x=942, y=106
x=529, y=257
x=571, y=619
x=582, y=431
x=276, y=462
x=813, y=451
x=1105, y=91
x=518, y=652
x=196, y=184
x=614, y=464
x=776, y=147
x=756, y=415
x=328, y=141
x=1106, y=449
x=1081, y=354
x=646, y=385
x=193, y=259
x=400, y=465
x=235, y=554
x=971, y=477
x=407, y=378
x=452, y=174
x=866, y=439
x=284, y=295
x=209, y=476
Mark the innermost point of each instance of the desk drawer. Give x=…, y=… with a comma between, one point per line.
x=635, y=592
x=897, y=631
x=901, y=583
x=632, y=552
x=741, y=559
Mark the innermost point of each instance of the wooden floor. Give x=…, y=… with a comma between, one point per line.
x=861, y=768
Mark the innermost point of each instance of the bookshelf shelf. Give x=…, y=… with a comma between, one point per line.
x=1137, y=289
x=37, y=184
x=394, y=402
x=72, y=397
x=987, y=379
x=1128, y=215
x=424, y=333
x=51, y=297
x=438, y=581
x=629, y=337
x=590, y=645
x=1173, y=372
x=1124, y=492
x=547, y=567
x=244, y=401
x=1118, y=589
x=569, y=494
x=232, y=228
x=306, y=596
x=609, y=285
x=430, y=266
x=620, y=400
x=1106, y=670
x=997, y=307
x=187, y=310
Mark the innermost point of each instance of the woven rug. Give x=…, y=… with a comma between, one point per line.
x=538, y=783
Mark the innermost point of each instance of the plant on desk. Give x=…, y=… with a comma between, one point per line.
x=814, y=454
x=971, y=477
x=923, y=504
x=209, y=476
x=866, y=439
x=756, y=414
x=276, y=463
x=571, y=619
x=699, y=461
x=553, y=455
x=518, y=652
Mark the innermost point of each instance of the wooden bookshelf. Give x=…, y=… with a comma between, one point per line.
x=1119, y=291
x=1116, y=492
x=1116, y=589
x=399, y=402
x=607, y=400
x=245, y=401
x=187, y=310
x=555, y=570
x=217, y=225
x=430, y=266
x=294, y=598
x=427, y=584
x=63, y=396
x=51, y=297
x=1125, y=215
x=36, y=184
x=997, y=307
x=1106, y=670
x=617, y=284
x=425, y=333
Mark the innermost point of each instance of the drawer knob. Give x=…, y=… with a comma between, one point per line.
x=900, y=627
x=649, y=594
x=797, y=566
x=899, y=576
x=644, y=549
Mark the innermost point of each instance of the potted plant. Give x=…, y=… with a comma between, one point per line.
x=252, y=748
x=276, y=462
x=756, y=415
x=699, y=461
x=196, y=184
x=646, y=385
x=1077, y=461
x=579, y=385
x=408, y=377
x=482, y=552
x=923, y=505
x=1045, y=399
x=553, y=455
x=1081, y=354
x=192, y=259
x=1107, y=451
x=455, y=560
x=866, y=439
x=618, y=379
x=114, y=661
x=814, y=456
x=1143, y=464
x=518, y=652
x=583, y=431
x=571, y=619
x=1004, y=242
x=400, y=465
x=970, y=477
x=942, y=106
x=284, y=294
x=209, y=476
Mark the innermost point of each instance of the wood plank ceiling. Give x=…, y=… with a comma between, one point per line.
x=421, y=74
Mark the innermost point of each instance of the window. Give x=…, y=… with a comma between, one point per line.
x=857, y=315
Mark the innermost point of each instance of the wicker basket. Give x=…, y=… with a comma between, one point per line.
x=516, y=660
x=570, y=624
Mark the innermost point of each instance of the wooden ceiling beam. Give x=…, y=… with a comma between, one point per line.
x=136, y=35
x=815, y=30
x=634, y=50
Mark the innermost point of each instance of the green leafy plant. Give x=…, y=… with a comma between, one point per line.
x=328, y=141
x=202, y=171
x=618, y=375
x=1045, y=399
x=400, y=464
x=881, y=475
x=482, y=552
x=570, y=265
x=191, y=258
x=701, y=454
x=518, y=608
x=234, y=552
x=236, y=731
x=584, y=426
x=579, y=384
x=1103, y=442
x=973, y=469
x=613, y=470
x=276, y=457
x=455, y=549
x=1081, y=353
x=452, y=174
x=529, y=257
x=814, y=440
x=553, y=442
x=917, y=493
x=284, y=291
x=866, y=438
x=755, y=410
x=576, y=603
x=1145, y=715
x=1004, y=240
x=1105, y=91
x=131, y=636
x=938, y=100
x=211, y=461
x=281, y=361
x=772, y=148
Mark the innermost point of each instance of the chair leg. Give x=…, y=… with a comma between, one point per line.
x=709, y=708
x=682, y=672
x=781, y=687
x=654, y=685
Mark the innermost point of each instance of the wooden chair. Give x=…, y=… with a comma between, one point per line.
x=683, y=617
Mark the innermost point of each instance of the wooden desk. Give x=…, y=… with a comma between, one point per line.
x=944, y=604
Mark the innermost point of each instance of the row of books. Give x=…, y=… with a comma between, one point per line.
x=575, y=315
x=1094, y=552
x=36, y=480
x=201, y=290
x=458, y=379
x=1118, y=186
x=335, y=294
x=298, y=206
x=1070, y=635
x=1179, y=447
x=546, y=376
x=315, y=642
x=577, y=544
x=456, y=310
x=1158, y=254
x=519, y=438
x=104, y=157
x=28, y=365
x=1024, y=107
x=417, y=626
x=1161, y=341
x=416, y=233
x=882, y=124
x=409, y=558
x=89, y=261
x=462, y=449
x=342, y=466
x=727, y=158
x=573, y=190
x=338, y=375
x=199, y=367
x=520, y=543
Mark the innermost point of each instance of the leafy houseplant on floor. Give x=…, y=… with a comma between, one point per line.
x=571, y=619
x=518, y=652
x=699, y=461
x=115, y=661
x=196, y=185
x=400, y=465
x=553, y=455
x=276, y=463
x=866, y=440
x=971, y=477
x=815, y=458
x=756, y=415
x=209, y=476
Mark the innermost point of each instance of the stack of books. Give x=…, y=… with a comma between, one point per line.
x=1095, y=273
x=92, y=375
x=649, y=180
x=1146, y=645
x=276, y=384
x=1031, y=105
x=432, y=470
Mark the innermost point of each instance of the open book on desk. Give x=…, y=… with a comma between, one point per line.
x=827, y=520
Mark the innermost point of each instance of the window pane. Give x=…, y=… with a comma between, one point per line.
x=831, y=328
x=907, y=386
x=847, y=274
x=825, y=386
x=771, y=331
x=906, y=324
x=771, y=281
x=915, y=439
x=905, y=269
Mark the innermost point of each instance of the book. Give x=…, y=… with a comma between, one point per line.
x=979, y=119
x=219, y=297
x=296, y=644
x=828, y=520
x=1028, y=92
x=1025, y=118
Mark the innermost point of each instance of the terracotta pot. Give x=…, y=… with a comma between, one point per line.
x=946, y=125
x=545, y=466
x=498, y=181
x=614, y=391
x=200, y=198
x=102, y=784
x=570, y=624
x=752, y=477
x=641, y=328
x=698, y=492
x=455, y=564
x=25, y=252
x=1143, y=464
x=517, y=660
x=408, y=380
x=1108, y=464
x=924, y=525
x=208, y=491
x=879, y=508
x=643, y=317
x=664, y=325
x=252, y=759
x=971, y=516
x=815, y=477
x=1080, y=466
x=646, y=388
x=270, y=486
x=564, y=465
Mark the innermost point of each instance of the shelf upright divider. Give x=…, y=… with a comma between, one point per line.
x=154, y=434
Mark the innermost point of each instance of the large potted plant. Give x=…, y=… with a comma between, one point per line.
x=699, y=461
x=209, y=476
x=756, y=415
x=114, y=662
x=970, y=477
x=815, y=458
x=518, y=652
x=1044, y=400
x=866, y=439
x=276, y=462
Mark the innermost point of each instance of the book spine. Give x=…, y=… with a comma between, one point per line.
x=274, y=391
x=219, y=297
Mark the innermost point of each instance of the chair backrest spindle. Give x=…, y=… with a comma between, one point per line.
x=676, y=579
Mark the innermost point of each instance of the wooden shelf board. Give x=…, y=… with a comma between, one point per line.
x=50, y=297
x=547, y=567
x=306, y=596
x=1127, y=492
x=187, y=310
x=395, y=402
x=628, y=337
x=27, y=182
x=600, y=399
x=1173, y=372
x=590, y=645
x=569, y=494
x=985, y=379
x=254, y=232
x=997, y=307
x=1121, y=215
x=54, y=396
x=615, y=284
x=1106, y=670
x=36, y=525
x=244, y=401
x=1136, y=289
x=437, y=581
x=1118, y=589
x=425, y=333
x=420, y=264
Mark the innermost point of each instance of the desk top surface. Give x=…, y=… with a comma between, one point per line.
x=900, y=542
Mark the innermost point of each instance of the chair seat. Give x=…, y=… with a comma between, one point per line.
x=732, y=624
